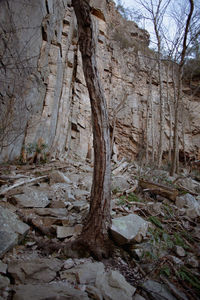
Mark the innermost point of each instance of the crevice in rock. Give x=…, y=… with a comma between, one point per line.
x=47, y=6
x=44, y=34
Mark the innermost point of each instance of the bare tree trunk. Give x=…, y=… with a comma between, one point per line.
x=152, y=131
x=149, y=97
x=94, y=236
x=178, y=101
x=160, y=146
x=170, y=117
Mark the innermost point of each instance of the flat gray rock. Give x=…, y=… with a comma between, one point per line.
x=67, y=231
x=3, y=267
x=58, y=177
x=32, y=197
x=35, y=271
x=114, y=286
x=4, y=282
x=56, y=290
x=157, y=290
x=191, y=204
x=128, y=229
x=85, y=273
x=12, y=230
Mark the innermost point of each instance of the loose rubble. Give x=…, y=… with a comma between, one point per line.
x=155, y=230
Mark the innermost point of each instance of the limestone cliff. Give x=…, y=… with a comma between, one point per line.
x=43, y=92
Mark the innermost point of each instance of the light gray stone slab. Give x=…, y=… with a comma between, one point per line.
x=128, y=229
x=3, y=267
x=4, y=282
x=56, y=290
x=157, y=290
x=58, y=177
x=35, y=271
x=32, y=197
x=113, y=286
x=11, y=230
x=85, y=273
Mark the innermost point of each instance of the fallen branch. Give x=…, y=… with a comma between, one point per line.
x=16, y=185
x=159, y=189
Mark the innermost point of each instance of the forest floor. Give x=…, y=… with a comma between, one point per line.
x=157, y=257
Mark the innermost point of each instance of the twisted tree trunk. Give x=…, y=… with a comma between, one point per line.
x=94, y=236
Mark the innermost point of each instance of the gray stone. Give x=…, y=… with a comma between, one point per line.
x=80, y=205
x=185, y=200
x=67, y=231
x=179, y=251
x=81, y=194
x=191, y=204
x=32, y=197
x=113, y=286
x=128, y=229
x=189, y=184
x=4, y=282
x=85, y=273
x=12, y=230
x=138, y=297
x=35, y=271
x=176, y=260
x=120, y=183
x=58, y=177
x=3, y=267
x=59, y=213
x=93, y=292
x=192, y=261
x=56, y=290
x=157, y=290
x=197, y=232
x=68, y=264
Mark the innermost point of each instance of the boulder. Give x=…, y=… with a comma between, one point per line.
x=34, y=271
x=128, y=229
x=114, y=286
x=12, y=230
x=56, y=290
x=32, y=197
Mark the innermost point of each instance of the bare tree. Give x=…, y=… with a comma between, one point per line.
x=94, y=236
x=179, y=88
x=155, y=13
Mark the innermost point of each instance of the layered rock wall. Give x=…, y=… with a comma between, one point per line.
x=44, y=95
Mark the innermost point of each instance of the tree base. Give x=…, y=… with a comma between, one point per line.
x=98, y=249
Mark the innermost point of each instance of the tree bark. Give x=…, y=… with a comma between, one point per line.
x=94, y=236
x=149, y=99
x=170, y=116
x=174, y=167
x=160, y=146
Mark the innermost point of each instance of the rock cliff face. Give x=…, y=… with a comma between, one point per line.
x=44, y=95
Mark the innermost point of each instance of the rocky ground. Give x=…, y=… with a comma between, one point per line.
x=155, y=229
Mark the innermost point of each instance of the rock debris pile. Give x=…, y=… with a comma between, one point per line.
x=155, y=231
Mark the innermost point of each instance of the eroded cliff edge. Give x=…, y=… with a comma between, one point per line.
x=43, y=91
